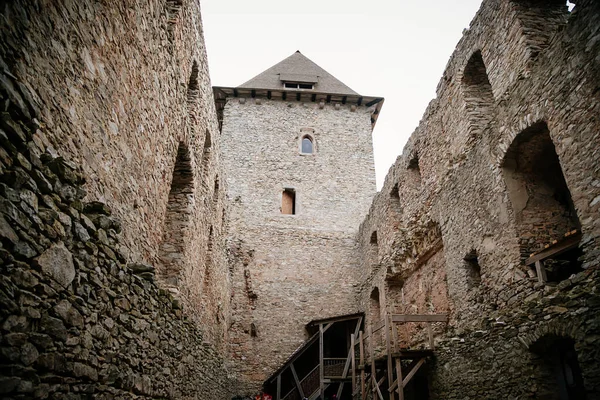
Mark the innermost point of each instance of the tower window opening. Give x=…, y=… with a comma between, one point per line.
x=307, y=145
x=288, y=202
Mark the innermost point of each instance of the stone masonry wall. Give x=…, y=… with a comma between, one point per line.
x=540, y=64
x=120, y=86
x=107, y=94
x=290, y=269
x=76, y=320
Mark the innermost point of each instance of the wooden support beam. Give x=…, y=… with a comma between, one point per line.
x=376, y=386
x=412, y=372
x=541, y=271
x=419, y=318
x=321, y=369
x=361, y=344
x=400, y=388
x=388, y=349
x=340, y=389
x=566, y=244
x=352, y=344
x=297, y=380
x=327, y=327
x=372, y=350
x=278, y=387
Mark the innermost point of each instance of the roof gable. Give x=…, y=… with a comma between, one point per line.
x=298, y=68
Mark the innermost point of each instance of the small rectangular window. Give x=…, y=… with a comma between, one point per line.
x=288, y=202
x=290, y=85
x=305, y=86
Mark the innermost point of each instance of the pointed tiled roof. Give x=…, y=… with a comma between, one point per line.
x=298, y=68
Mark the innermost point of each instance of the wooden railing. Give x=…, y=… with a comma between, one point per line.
x=334, y=367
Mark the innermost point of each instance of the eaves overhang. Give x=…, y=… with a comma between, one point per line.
x=221, y=94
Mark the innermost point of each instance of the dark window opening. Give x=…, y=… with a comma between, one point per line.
x=473, y=269
x=477, y=92
x=307, y=145
x=559, y=368
x=543, y=209
x=294, y=85
x=177, y=218
x=288, y=202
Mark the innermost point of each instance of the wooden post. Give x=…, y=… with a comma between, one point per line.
x=372, y=353
x=278, y=387
x=541, y=272
x=352, y=345
x=399, y=378
x=388, y=349
x=321, y=369
x=363, y=362
x=395, y=337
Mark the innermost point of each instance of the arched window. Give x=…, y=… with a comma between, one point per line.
x=307, y=145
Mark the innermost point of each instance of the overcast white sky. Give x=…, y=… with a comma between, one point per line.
x=396, y=49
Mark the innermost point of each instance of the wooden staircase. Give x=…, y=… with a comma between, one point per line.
x=389, y=365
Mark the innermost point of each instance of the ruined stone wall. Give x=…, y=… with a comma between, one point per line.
x=110, y=94
x=521, y=66
x=76, y=319
x=120, y=88
x=290, y=269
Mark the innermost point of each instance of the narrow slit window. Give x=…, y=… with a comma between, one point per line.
x=307, y=145
x=288, y=202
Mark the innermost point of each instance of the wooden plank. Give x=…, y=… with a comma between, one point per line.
x=377, y=326
x=372, y=351
x=566, y=244
x=278, y=387
x=352, y=344
x=321, y=368
x=541, y=271
x=361, y=344
x=340, y=389
x=388, y=349
x=400, y=389
x=412, y=372
x=377, y=384
x=297, y=380
x=419, y=318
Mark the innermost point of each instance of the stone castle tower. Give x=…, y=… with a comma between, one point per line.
x=296, y=145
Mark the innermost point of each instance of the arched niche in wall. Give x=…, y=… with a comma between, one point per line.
x=558, y=372
x=177, y=218
x=374, y=306
x=477, y=92
x=193, y=92
x=541, y=200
